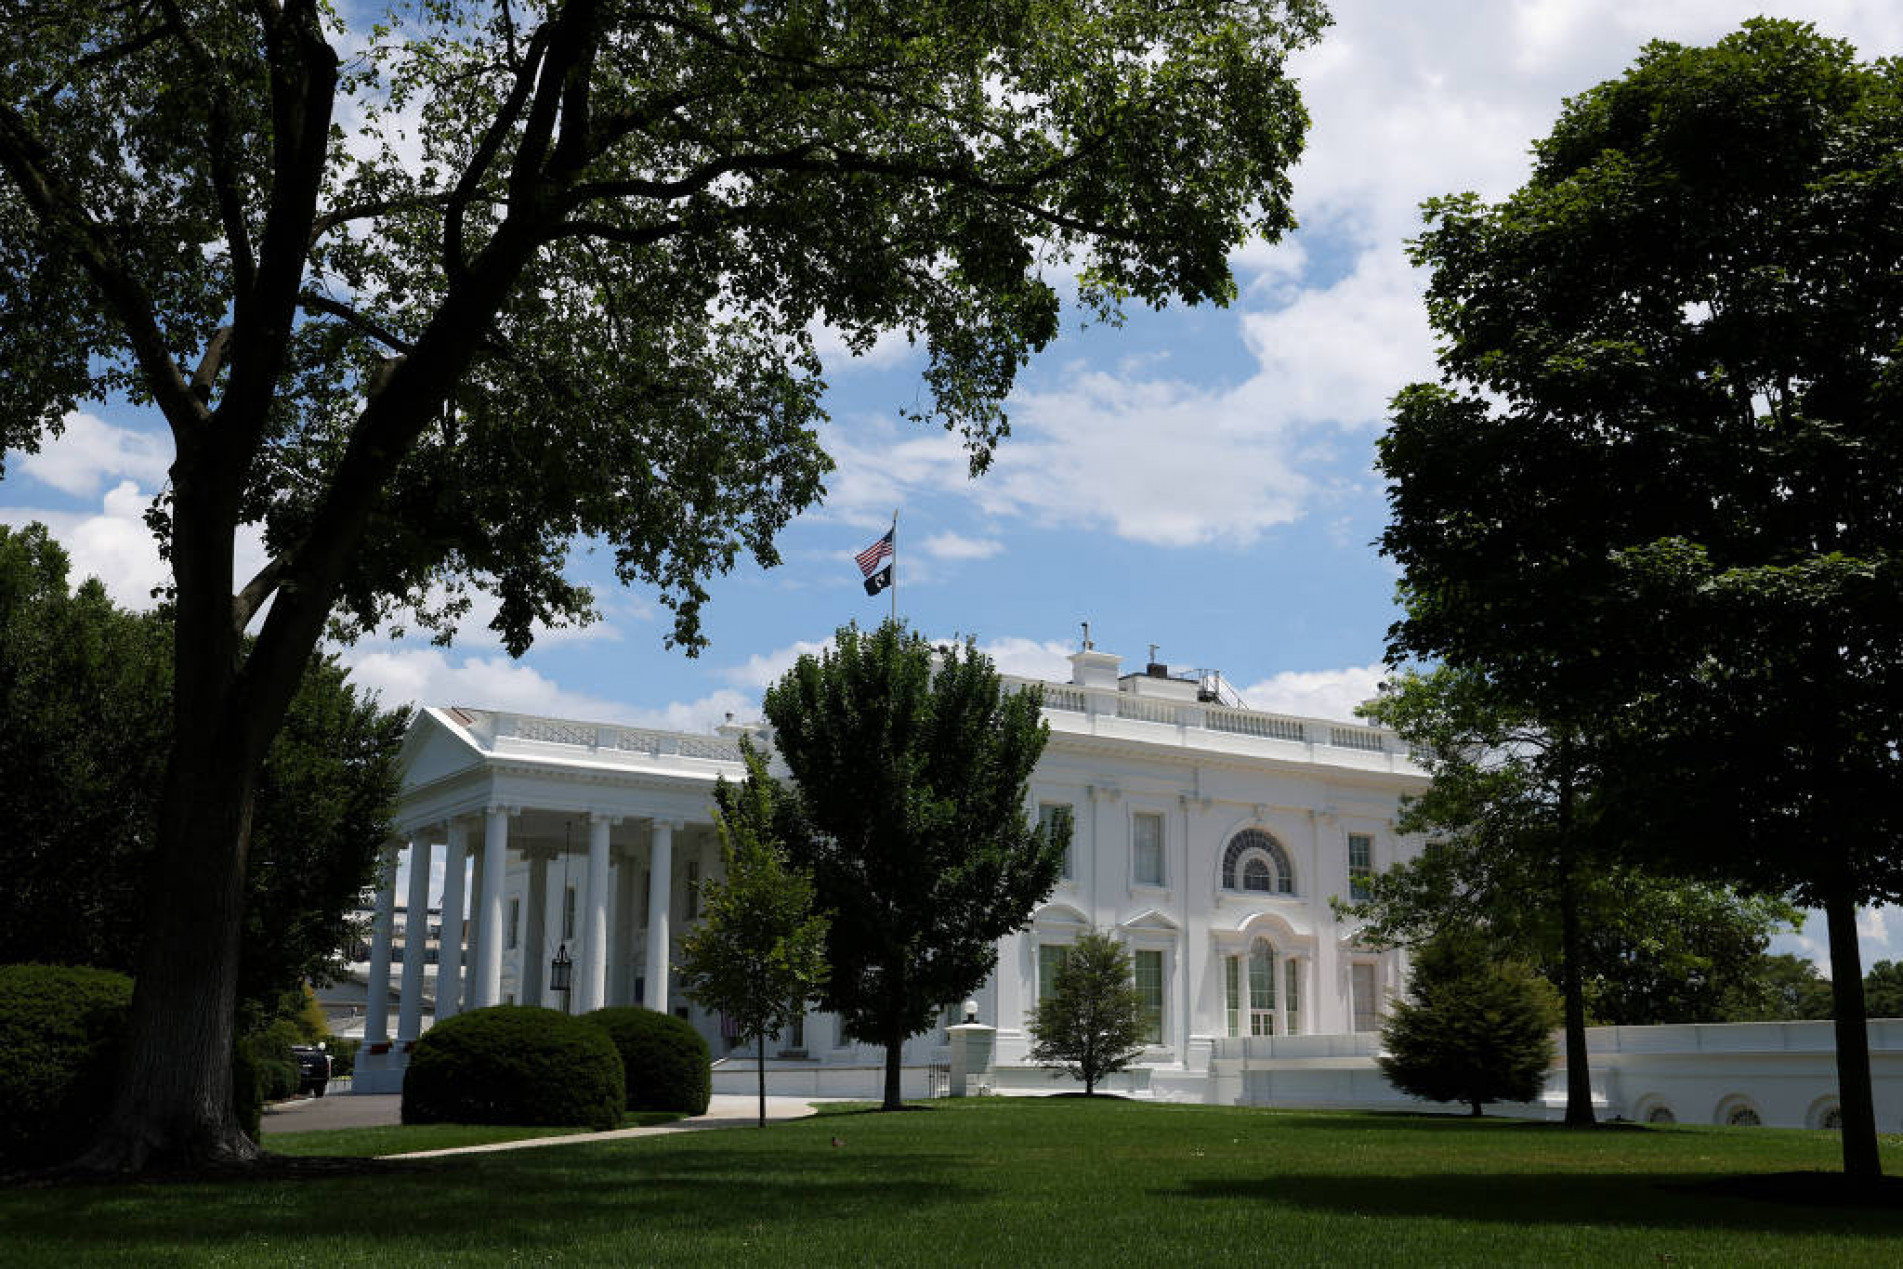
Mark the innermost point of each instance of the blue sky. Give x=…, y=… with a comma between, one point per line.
x=1198, y=478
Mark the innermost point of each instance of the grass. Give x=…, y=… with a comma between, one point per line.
x=1051, y=1182
x=369, y=1143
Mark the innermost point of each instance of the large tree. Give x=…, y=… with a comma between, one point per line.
x=1518, y=854
x=422, y=303
x=911, y=774
x=1657, y=487
x=85, y=726
x=758, y=955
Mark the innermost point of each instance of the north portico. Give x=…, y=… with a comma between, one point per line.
x=549, y=835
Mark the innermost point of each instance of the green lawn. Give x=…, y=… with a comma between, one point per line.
x=368, y=1143
x=1033, y=1183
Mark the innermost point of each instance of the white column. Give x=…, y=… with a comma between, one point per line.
x=621, y=940
x=449, y=960
x=1325, y=1003
x=415, y=940
x=660, y=905
x=495, y=849
x=376, y=1014
x=534, y=948
x=592, y=988
x=478, y=930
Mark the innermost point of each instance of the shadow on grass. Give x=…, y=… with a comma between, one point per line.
x=1679, y=1201
x=1384, y=1121
x=552, y=1197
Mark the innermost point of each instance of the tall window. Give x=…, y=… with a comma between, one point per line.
x=647, y=893
x=568, y=913
x=1147, y=833
x=1149, y=983
x=1050, y=959
x=1049, y=815
x=692, y=906
x=1292, y=998
x=515, y=922
x=1232, y=994
x=1367, y=1004
x=1360, y=865
x=1261, y=989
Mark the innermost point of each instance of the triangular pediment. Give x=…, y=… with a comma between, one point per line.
x=435, y=749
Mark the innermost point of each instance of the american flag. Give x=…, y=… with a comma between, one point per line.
x=874, y=555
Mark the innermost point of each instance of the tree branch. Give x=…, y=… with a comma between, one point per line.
x=219, y=145
x=245, y=604
x=457, y=207
x=313, y=302
x=210, y=363
x=62, y=214
x=375, y=207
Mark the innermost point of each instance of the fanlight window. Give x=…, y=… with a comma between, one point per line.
x=1256, y=862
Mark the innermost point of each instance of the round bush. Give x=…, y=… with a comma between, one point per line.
x=513, y=1064
x=62, y=1028
x=666, y=1060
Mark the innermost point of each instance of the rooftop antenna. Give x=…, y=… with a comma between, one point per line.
x=1153, y=648
x=1088, y=645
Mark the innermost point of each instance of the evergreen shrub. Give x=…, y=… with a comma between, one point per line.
x=62, y=1028
x=514, y=1064
x=667, y=1063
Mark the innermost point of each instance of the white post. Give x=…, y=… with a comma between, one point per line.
x=660, y=892
x=478, y=930
x=449, y=959
x=495, y=849
x=591, y=991
x=534, y=933
x=376, y=1014
x=415, y=940
x=621, y=954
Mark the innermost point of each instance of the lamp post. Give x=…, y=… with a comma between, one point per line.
x=561, y=974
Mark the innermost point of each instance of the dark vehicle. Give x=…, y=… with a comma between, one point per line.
x=313, y=1069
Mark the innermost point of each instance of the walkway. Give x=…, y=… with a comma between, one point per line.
x=370, y=1110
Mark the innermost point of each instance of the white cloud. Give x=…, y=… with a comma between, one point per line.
x=956, y=546
x=113, y=544
x=91, y=451
x=1316, y=693
x=764, y=668
x=1029, y=658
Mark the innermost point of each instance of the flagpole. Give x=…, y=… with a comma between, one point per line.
x=895, y=566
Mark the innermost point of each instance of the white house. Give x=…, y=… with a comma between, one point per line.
x=1208, y=838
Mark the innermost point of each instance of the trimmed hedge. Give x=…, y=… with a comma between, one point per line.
x=62, y=1028
x=514, y=1064
x=667, y=1063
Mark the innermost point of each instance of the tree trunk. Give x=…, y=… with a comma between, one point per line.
x=760, y=1056
x=172, y=1105
x=893, y=1070
x=1476, y=1111
x=1854, y=1098
x=1579, y=1112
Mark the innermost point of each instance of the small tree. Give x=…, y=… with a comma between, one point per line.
x=1092, y=1024
x=1471, y=1030
x=759, y=953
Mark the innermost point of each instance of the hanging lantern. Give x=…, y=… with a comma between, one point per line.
x=561, y=971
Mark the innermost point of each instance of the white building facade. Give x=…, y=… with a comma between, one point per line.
x=1208, y=839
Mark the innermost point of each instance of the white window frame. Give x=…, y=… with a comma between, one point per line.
x=1162, y=878
x=1360, y=876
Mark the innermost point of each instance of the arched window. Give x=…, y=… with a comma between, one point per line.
x=1256, y=862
